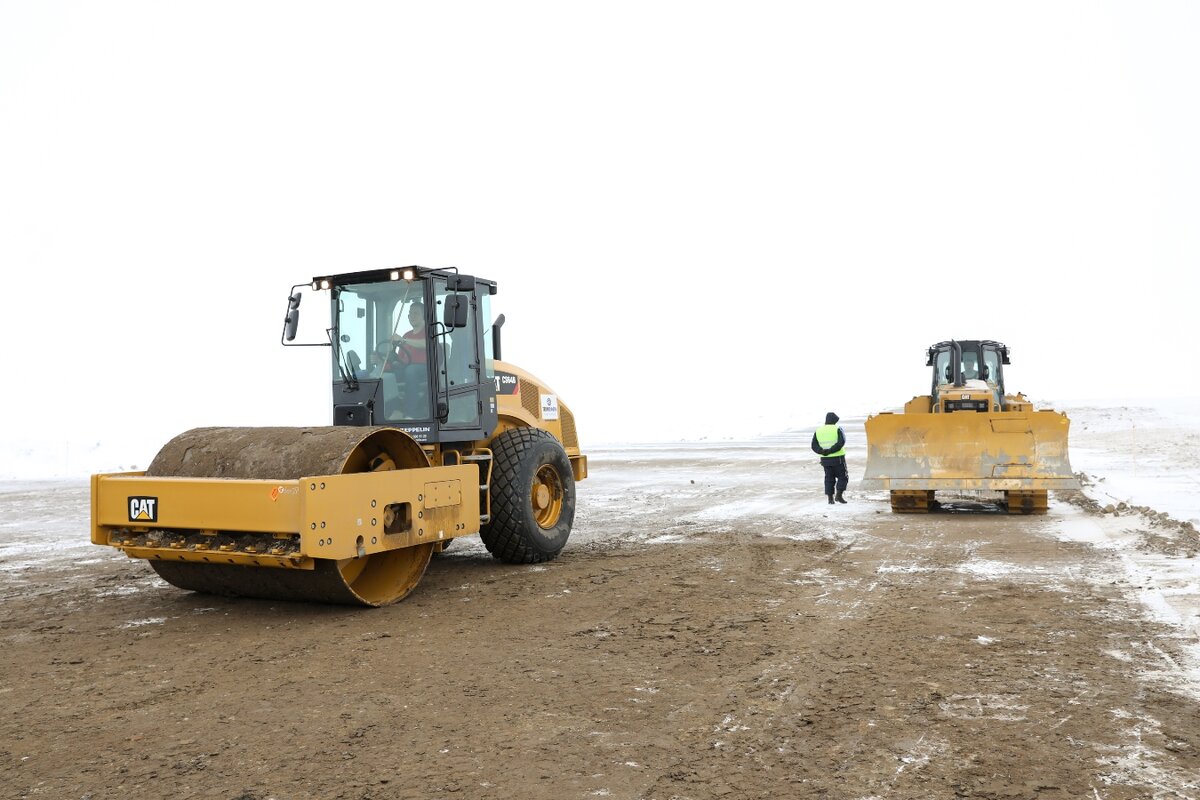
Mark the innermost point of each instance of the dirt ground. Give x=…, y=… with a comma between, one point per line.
x=668, y=653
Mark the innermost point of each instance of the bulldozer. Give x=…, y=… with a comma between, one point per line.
x=968, y=435
x=434, y=438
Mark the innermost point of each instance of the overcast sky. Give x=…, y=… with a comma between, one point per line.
x=704, y=218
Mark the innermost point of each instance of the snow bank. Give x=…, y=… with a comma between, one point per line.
x=30, y=460
x=1143, y=453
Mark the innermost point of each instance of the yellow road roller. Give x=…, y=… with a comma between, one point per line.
x=968, y=434
x=433, y=438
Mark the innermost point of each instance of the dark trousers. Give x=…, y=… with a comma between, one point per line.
x=835, y=471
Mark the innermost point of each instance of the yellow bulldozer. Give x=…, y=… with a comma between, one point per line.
x=968, y=435
x=433, y=438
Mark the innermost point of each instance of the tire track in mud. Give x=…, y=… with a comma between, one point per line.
x=908, y=696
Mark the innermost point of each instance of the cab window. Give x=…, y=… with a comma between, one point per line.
x=387, y=323
x=458, y=374
x=941, y=369
x=991, y=360
x=970, y=364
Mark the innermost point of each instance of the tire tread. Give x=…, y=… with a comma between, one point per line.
x=503, y=536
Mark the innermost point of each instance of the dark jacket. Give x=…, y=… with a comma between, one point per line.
x=830, y=419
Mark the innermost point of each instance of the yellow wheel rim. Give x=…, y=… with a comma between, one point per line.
x=546, y=496
x=386, y=577
x=389, y=576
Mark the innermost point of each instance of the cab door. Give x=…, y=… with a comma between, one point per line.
x=461, y=382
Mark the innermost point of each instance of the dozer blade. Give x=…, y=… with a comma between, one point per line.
x=998, y=451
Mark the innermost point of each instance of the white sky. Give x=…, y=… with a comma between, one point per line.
x=703, y=217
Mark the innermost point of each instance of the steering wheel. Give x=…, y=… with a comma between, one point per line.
x=403, y=353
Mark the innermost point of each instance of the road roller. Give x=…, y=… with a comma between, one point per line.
x=968, y=434
x=434, y=437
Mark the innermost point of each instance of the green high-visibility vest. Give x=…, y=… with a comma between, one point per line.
x=827, y=436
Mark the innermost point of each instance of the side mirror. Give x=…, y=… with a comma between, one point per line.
x=461, y=283
x=293, y=317
x=454, y=315
x=496, y=326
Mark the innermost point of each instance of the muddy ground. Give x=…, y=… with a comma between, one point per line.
x=672, y=651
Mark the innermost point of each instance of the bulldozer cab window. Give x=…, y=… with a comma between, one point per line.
x=970, y=364
x=941, y=370
x=991, y=363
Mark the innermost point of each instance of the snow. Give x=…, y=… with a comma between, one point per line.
x=44, y=522
x=1142, y=452
x=1166, y=586
x=24, y=459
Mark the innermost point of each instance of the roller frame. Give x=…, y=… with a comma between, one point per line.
x=327, y=512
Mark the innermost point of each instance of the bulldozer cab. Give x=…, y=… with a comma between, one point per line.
x=957, y=362
x=409, y=350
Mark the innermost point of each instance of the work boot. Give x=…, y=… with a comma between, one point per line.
x=830, y=498
x=840, y=499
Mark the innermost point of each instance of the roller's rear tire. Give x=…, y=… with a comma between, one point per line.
x=533, y=497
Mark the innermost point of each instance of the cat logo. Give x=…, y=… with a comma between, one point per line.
x=143, y=509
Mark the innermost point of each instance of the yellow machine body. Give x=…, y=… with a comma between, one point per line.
x=296, y=523
x=523, y=406
x=352, y=513
x=968, y=438
x=286, y=524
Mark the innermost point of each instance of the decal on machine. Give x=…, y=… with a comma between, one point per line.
x=418, y=432
x=143, y=509
x=279, y=490
x=549, y=406
x=507, y=383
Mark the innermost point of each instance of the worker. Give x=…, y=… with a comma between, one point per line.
x=412, y=344
x=970, y=366
x=829, y=442
x=412, y=366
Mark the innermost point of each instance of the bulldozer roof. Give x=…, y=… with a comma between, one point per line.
x=934, y=349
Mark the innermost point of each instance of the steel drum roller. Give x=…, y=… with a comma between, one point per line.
x=287, y=454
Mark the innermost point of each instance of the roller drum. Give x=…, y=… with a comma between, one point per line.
x=281, y=454
x=287, y=454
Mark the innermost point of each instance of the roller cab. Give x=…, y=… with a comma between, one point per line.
x=968, y=434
